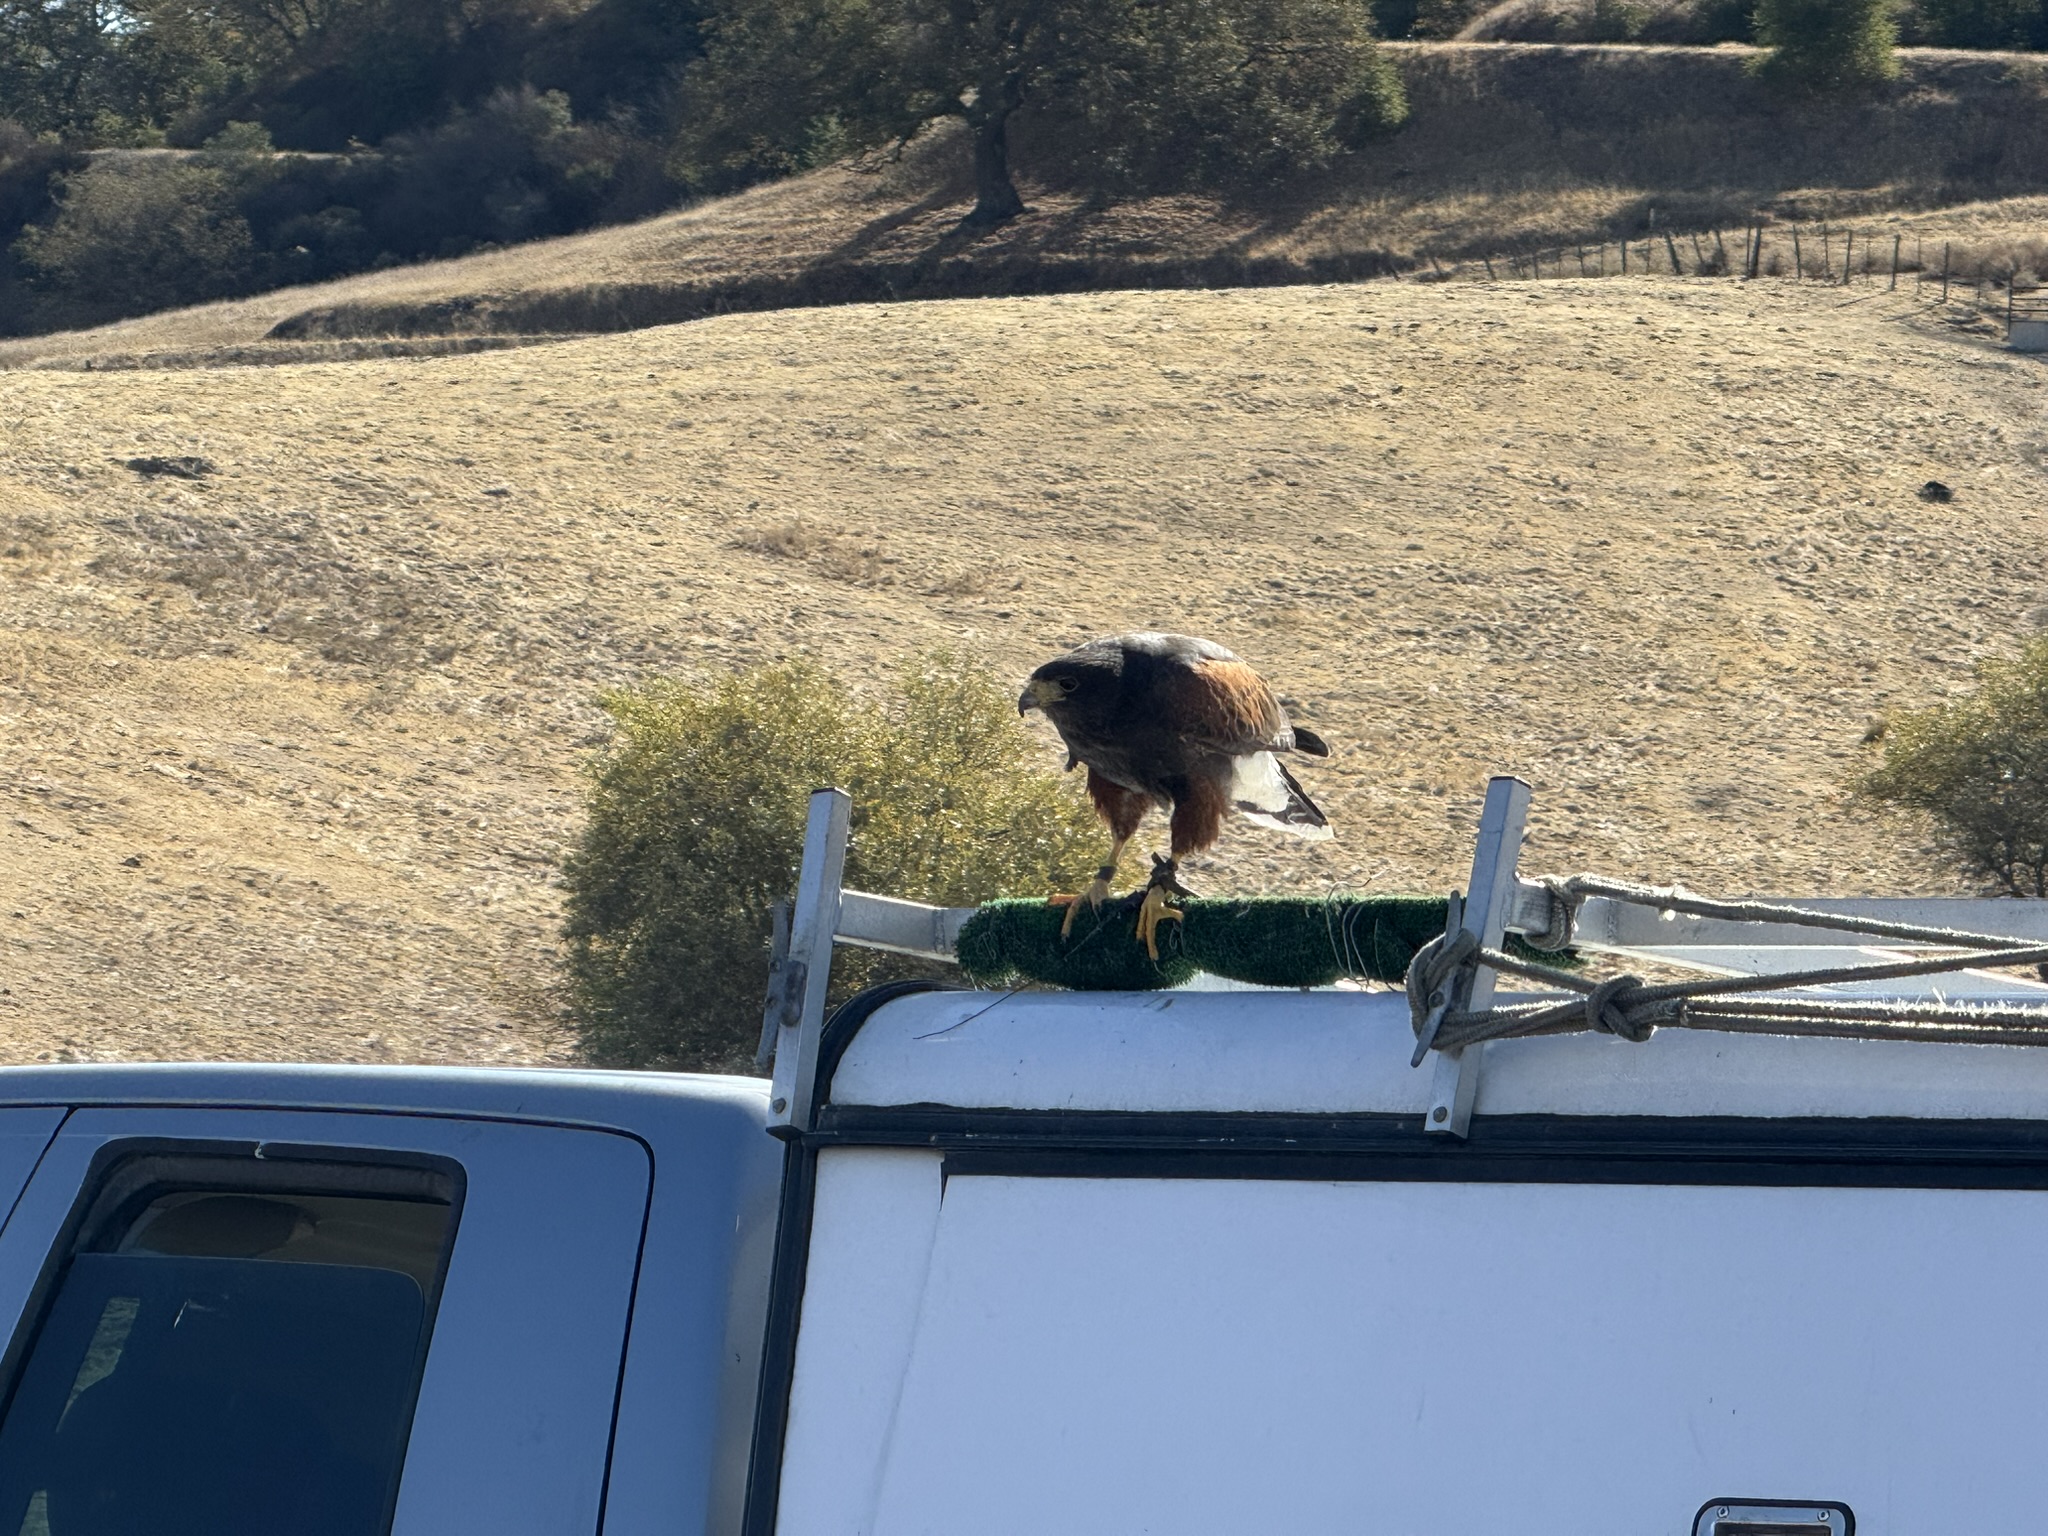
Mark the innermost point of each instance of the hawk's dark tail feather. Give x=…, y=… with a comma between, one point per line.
x=1306, y=740
x=1300, y=810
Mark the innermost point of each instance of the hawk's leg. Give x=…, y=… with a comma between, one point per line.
x=1122, y=809
x=1098, y=889
x=1155, y=907
x=1198, y=810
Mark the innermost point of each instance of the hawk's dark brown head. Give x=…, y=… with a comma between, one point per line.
x=1082, y=682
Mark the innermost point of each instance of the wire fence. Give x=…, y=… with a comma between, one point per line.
x=1837, y=255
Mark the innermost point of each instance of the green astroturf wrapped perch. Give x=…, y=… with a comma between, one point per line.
x=1273, y=941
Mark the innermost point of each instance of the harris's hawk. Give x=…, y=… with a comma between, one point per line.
x=1181, y=724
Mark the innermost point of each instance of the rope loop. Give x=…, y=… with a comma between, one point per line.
x=1431, y=971
x=1565, y=901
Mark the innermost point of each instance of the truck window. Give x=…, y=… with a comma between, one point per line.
x=227, y=1360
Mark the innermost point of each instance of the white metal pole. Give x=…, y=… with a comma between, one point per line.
x=808, y=970
x=1487, y=900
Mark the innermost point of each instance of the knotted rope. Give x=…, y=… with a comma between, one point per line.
x=1608, y=1010
x=1630, y=1009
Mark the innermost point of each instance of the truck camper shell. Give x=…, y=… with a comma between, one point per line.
x=1204, y=1261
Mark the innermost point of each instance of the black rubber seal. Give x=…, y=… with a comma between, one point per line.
x=846, y=1022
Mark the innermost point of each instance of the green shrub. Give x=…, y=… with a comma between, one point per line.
x=1979, y=766
x=498, y=174
x=1827, y=45
x=137, y=235
x=695, y=828
x=1979, y=23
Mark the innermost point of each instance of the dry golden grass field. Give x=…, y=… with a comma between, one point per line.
x=289, y=753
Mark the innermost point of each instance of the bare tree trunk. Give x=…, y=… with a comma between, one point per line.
x=995, y=195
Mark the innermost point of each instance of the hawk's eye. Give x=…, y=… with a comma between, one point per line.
x=1069, y=684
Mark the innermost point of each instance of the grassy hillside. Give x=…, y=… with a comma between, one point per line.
x=1508, y=148
x=290, y=750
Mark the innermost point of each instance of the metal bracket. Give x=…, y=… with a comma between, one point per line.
x=1489, y=896
x=796, y=995
x=779, y=973
x=900, y=927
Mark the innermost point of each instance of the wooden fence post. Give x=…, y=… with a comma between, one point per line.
x=1827, y=251
x=1944, y=271
x=1672, y=246
x=1798, y=260
x=1848, y=250
x=1489, y=268
x=1624, y=255
x=1896, y=238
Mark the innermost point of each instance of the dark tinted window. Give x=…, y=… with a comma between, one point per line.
x=224, y=1363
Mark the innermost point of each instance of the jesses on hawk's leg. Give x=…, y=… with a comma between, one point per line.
x=1156, y=908
x=1197, y=823
x=1123, y=809
x=1098, y=888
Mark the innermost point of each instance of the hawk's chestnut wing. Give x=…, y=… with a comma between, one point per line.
x=1226, y=707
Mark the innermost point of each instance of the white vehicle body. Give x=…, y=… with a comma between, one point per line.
x=1190, y=1263
x=1203, y=1262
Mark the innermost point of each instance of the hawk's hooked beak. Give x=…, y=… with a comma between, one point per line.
x=1037, y=694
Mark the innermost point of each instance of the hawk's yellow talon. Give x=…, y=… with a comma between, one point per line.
x=1093, y=898
x=1154, y=910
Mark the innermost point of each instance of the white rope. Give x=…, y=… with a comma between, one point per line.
x=1626, y=1007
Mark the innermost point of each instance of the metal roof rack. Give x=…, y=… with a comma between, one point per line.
x=1497, y=901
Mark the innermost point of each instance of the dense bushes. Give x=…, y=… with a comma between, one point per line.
x=1979, y=766
x=1977, y=23
x=696, y=823
x=30, y=168
x=2003, y=24
x=322, y=75
x=156, y=235
x=132, y=233
x=466, y=103
x=1827, y=45
x=1815, y=45
x=1698, y=23
x=517, y=168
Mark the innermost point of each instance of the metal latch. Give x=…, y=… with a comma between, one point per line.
x=1773, y=1517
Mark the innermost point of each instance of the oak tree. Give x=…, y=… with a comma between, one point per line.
x=1127, y=92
